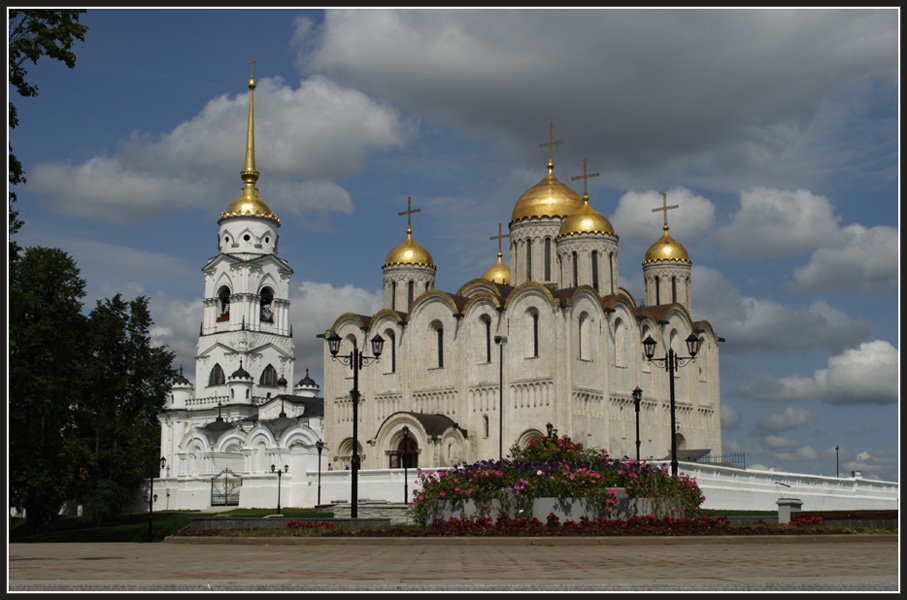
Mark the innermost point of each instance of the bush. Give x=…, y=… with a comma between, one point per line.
x=555, y=467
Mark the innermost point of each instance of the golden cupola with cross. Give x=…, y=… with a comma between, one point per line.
x=409, y=269
x=667, y=267
x=587, y=246
x=498, y=272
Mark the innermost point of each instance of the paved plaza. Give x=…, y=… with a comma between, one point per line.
x=736, y=563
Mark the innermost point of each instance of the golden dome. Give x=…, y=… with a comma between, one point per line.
x=547, y=198
x=409, y=253
x=586, y=220
x=666, y=249
x=498, y=273
x=248, y=205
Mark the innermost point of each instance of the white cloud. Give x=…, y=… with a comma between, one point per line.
x=749, y=323
x=731, y=418
x=867, y=374
x=315, y=130
x=635, y=222
x=793, y=417
x=776, y=223
x=866, y=257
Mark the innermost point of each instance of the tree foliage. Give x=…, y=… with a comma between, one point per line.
x=46, y=336
x=115, y=424
x=33, y=34
x=84, y=392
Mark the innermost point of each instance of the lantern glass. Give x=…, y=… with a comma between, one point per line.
x=649, y=347
x=693, y=343
x=377, y=345
x=334, y=343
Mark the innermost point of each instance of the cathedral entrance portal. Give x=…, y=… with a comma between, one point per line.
x=225, y=487
x=406, y=455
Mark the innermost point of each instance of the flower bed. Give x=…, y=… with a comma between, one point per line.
x=557, y=476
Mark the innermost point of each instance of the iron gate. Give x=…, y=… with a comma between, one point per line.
x=225, y=488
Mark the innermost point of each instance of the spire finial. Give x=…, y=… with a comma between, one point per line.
x=665, y=208
x=585, y=177
x=408, y=212
x=500, y=236
x=551, y=144
x=249, y=174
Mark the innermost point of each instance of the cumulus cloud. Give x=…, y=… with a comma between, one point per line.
x=866, y=258
x=637, y=223
x=792, y=418
x=502, y=72
x=749, y=324
x=867, y=374
x=731, y=418
x=775, y=223
x=317, y=130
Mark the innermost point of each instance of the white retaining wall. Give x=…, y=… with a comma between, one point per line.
x=724, y=488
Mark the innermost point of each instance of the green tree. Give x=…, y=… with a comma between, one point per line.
x=33, y=34
x=126, y=382
x=46, y=336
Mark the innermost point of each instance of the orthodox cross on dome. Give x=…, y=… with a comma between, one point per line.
x=252, y=64
x=665, y=208
x=500, y=236
x=408, y=212
x=551, y=144
x=585, y=177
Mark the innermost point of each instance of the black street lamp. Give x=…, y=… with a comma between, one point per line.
x=279, y=474
x=672, y=362
x=320, y=446
x=151, y=498
x=501, y=341
x=356, y=360
x=550, y=428
x=404, y=459
x=837, y=473
x=637, y=398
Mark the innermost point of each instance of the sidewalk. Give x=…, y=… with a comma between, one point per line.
x=795, y=563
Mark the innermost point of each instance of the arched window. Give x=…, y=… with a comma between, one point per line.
x=547, y=259
x=585, y=337
x=485, y=425
x=392, y=346
x=528, y=260
x=595, y=269
x=611, y=270
x=486, y=322
x=407, y=454
x=535, y=333
x=410, y=290
x=394, y=295
x=268, y=377
x=575, y=270
x=223, y=296
x=673, y=289
x=267, y=297
x=657, y=290
x=440, y=332
x=217, y=377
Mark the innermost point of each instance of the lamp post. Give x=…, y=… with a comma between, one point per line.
x=279, y=474
x=356, y=360
x=405, y=462
x=672, y=362
x=637, y=398
x=501, y=341
x=837, y=473
x=550, y=429
x=151, y=498
x=319, y=445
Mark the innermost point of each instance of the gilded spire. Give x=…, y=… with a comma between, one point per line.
x=249, y=203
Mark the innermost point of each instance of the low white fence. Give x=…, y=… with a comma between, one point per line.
x=724, y=488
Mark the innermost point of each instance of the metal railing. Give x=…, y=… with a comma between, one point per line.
x=734, y=459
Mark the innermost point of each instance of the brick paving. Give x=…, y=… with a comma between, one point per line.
x=831, y=563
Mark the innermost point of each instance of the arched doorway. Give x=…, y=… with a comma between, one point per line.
x=406, y=455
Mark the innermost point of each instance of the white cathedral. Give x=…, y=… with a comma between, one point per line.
x=552, y=342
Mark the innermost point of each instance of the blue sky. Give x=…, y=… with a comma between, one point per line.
x=775, y=131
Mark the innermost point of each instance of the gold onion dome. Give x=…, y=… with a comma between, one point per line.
x=498, y=273
x=666, y=249
x=409, y=253
x=547, y=198
x=249, y=203
x=586, y=220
